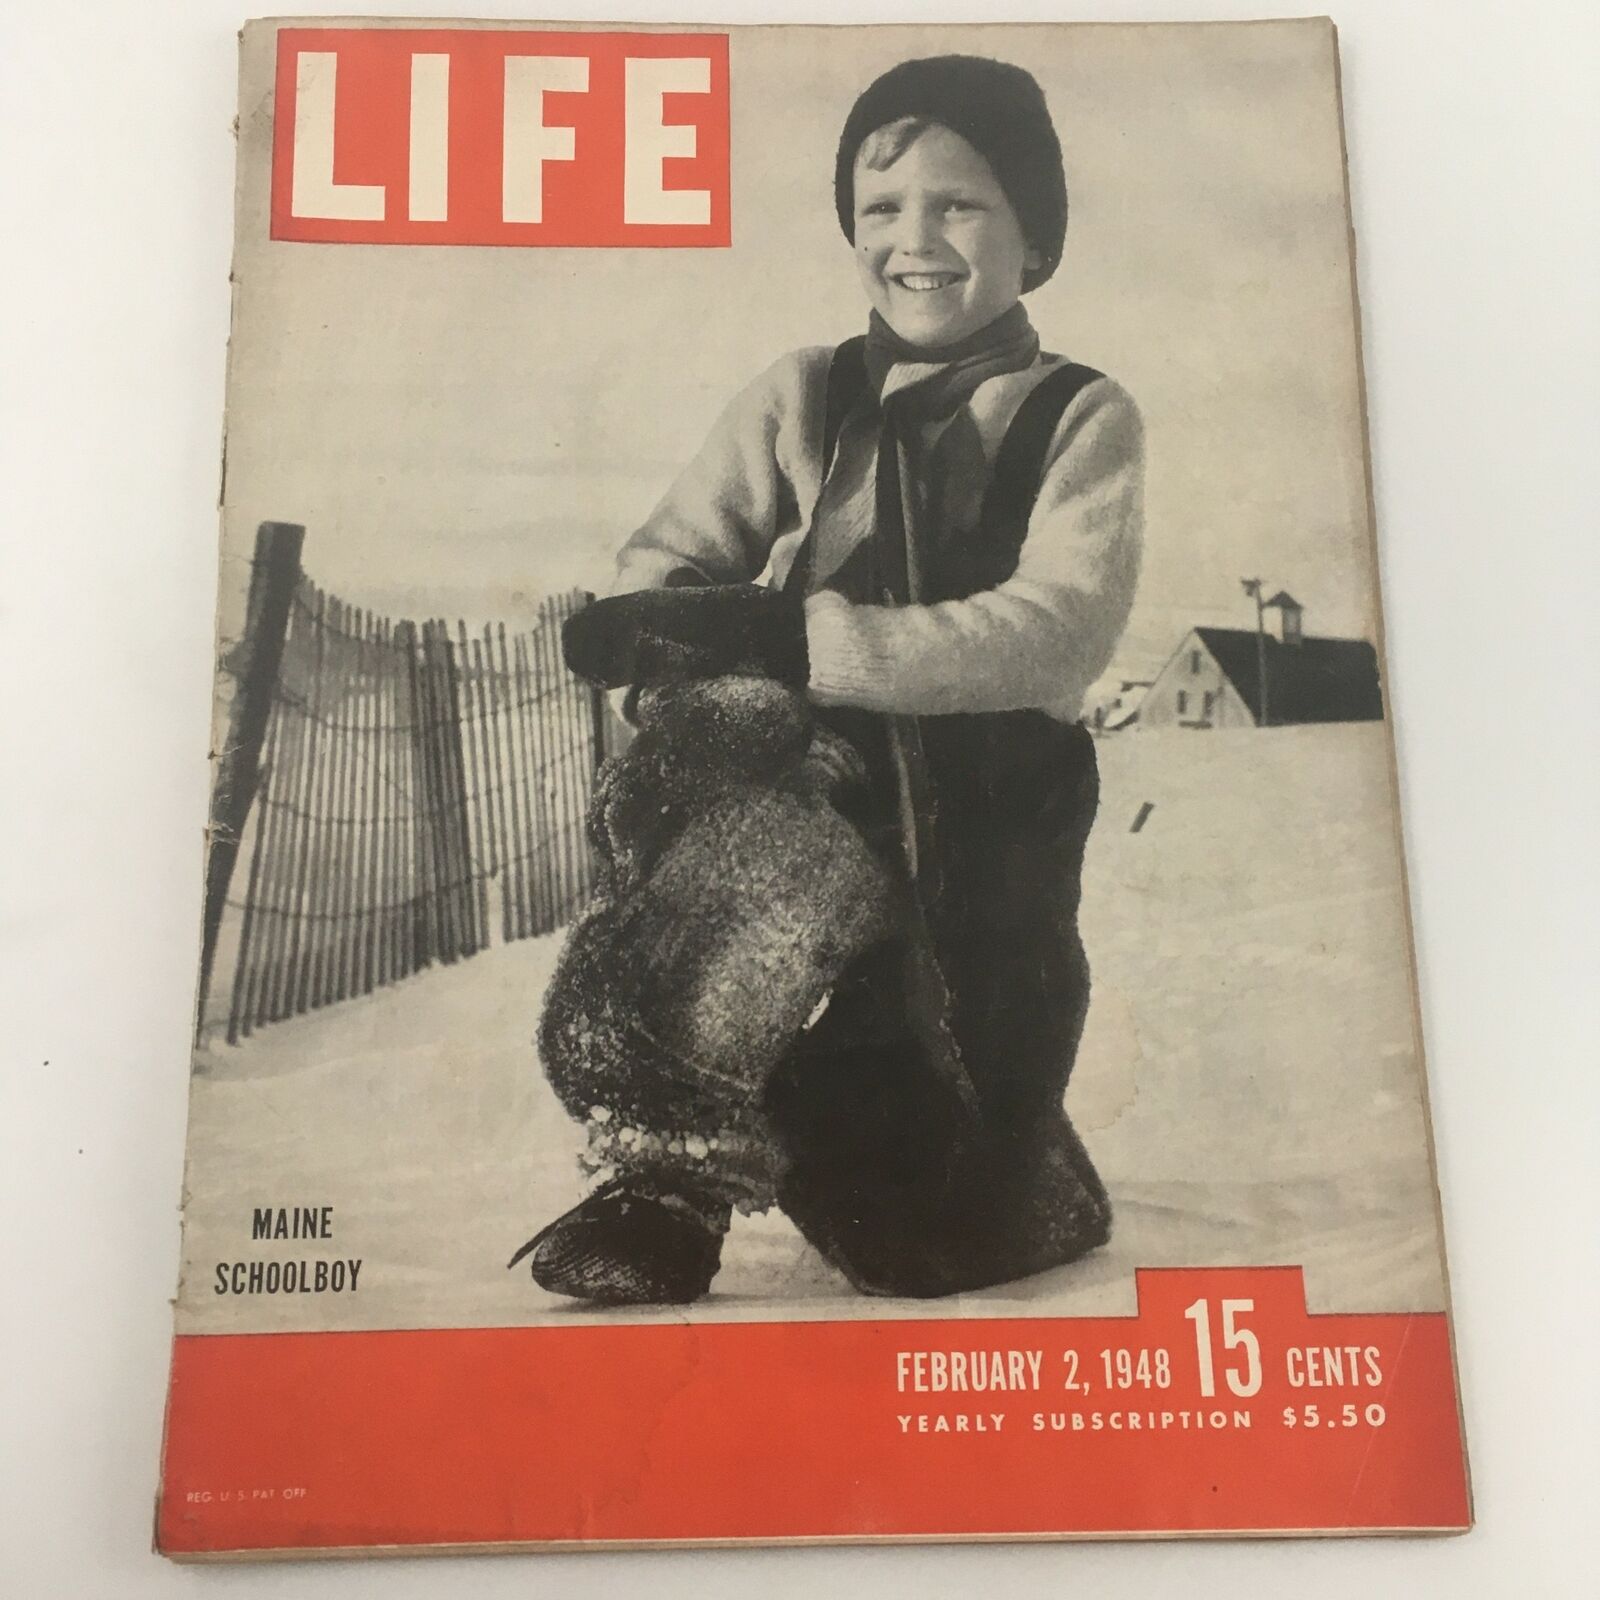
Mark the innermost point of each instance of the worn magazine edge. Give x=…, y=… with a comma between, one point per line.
x=545, y=24
x=512, y=1547
x=1391, y=745
x=216, y=731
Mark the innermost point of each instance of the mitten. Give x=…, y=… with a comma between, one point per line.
x=671, y=635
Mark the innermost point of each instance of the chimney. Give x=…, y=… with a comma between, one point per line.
x=1284, y=616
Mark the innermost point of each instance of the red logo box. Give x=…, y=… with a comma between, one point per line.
x=431, y=136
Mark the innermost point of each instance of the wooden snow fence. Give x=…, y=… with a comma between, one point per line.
x=393, y=794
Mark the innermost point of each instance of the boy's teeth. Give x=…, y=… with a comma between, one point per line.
x=926, y=280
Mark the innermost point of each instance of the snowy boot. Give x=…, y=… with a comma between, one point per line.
x=630, y=1243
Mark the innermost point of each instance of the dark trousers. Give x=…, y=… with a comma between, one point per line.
x=907, y=1183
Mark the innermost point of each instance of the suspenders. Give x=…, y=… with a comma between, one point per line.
x=847, y=382
x=1019, y=465
x=1018, y=469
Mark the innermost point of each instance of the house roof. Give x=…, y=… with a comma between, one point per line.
x=1284, y=598
x=1317, y=680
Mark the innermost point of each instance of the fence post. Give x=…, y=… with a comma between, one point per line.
x=597, y=699
x=253, y=662
x=422, y=938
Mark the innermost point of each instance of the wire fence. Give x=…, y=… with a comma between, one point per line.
x=415, y=792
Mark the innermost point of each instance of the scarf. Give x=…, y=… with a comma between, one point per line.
x=876, y=522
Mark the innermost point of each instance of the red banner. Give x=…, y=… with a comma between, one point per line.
x=458, y=136
x=1221, y=1407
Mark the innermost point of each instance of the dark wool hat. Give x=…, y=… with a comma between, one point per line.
x=1000, y=111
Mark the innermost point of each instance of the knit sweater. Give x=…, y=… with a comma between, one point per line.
x=743, y=506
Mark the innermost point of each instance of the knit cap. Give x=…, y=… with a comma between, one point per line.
x=1000, y=111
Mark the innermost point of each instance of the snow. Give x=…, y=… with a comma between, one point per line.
x=1248, y=1083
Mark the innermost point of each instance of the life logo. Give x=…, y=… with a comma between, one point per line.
x=483, y=137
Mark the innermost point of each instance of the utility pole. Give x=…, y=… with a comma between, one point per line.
x=1252, y=586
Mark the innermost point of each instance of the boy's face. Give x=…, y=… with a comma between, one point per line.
x=939, y=248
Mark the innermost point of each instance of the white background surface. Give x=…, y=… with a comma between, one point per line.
x=1474, y=131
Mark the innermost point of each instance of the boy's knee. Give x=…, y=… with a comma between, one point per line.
x=963, y=1219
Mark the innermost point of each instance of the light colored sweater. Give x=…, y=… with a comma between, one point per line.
x=743, y=505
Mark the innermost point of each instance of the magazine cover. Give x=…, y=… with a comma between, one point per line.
x=805, y=931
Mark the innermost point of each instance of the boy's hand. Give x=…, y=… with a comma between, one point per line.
x=670, y=635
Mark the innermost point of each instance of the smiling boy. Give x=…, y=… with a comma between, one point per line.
x=946, y=523
x=940, y=249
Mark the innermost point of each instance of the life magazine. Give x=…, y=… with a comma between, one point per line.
x=805, y=931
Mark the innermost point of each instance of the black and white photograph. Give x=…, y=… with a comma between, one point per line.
x=830, y=774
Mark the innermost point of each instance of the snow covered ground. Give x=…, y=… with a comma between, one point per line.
x=1248, y=1085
